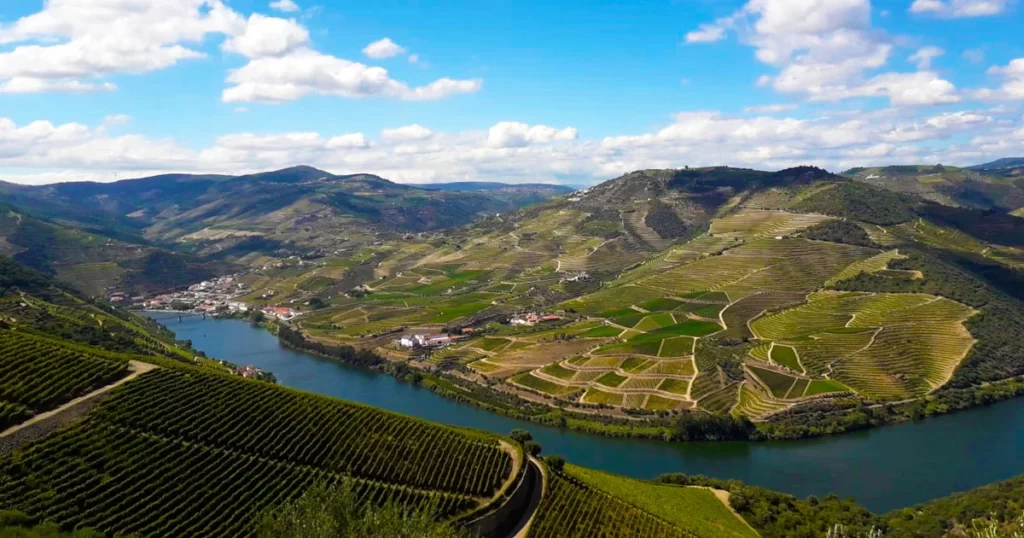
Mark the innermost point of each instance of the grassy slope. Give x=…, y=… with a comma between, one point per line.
x=693, y=509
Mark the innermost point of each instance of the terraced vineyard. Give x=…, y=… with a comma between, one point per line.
x=573, y=509
x=37, y=375
x=184, y=453
x=881, y=345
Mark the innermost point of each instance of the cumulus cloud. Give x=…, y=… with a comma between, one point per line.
x=305, y=71
x=268, y=36
x=73, y=45
x=70, y=43
x=521, y=152
x=408, y=132
x=824, y=49
x=383, y=48
x=1012, y=87
x=512, y=134
x=286, y=6
x=960, y=8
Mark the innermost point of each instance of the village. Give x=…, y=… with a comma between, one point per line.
x=215, y=297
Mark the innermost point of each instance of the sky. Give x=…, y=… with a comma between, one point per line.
x=572, y=92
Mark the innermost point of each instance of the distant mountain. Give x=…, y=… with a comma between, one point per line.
x=99, y=235
x=477, y=186
x=183, y=207
x=964, y=187
x=999, y=164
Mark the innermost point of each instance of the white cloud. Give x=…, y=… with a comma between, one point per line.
x=38, y=85
x=924, y=56
x=268, y=36
x=770, y=109
x=960, y=8
x=1012, y=87
x=287, y=6
x=826, y=50
x=708, y=33
x=520, y=152
x=512, y=134
x=70, y=43
x=305, y=71
x=383, y=48
x=408, y=132
x=73, y=45
x=414, y=58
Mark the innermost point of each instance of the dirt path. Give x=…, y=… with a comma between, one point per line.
x=723, y=496
x=137, y=369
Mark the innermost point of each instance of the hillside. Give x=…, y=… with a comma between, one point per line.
x=156, y=446
x=1000, y=164
x=196, y=207
x=711, y=295
x=997, y=186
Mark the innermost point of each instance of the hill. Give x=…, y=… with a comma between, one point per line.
x=156, y=446
x=1000, y=164
x=182, y=207
x=688, y=303
x=979, y=187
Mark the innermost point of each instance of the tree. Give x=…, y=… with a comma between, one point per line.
x=555, y=463
x=335, y=512
x=520, y=436
x=532, y=448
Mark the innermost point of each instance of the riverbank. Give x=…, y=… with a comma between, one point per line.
x=820, y=418
x=914, y=462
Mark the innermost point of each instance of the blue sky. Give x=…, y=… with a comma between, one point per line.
x=570, y=91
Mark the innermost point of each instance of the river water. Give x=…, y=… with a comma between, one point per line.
x=883, y=469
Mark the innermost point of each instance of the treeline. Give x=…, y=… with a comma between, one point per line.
x=346, y=354
x=780, y=515
x=840, y=231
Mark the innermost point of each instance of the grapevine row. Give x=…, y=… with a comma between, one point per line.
x=41, y=375
x=573, y=509
x=266, y=421
x=122, y=481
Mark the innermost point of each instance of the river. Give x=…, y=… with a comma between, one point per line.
x=883, y=469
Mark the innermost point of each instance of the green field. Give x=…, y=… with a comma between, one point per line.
x=611, y=379
x=786, y=356
x=693, y=509
x=777, y=383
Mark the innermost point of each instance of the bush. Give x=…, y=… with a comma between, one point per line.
x=555, y=463
x=532, y=448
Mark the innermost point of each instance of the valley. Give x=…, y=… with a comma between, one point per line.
x=655, y=309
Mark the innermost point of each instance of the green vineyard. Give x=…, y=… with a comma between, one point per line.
x=120, y=480
x=572, y=508
x=186, y=453
x=37, y=375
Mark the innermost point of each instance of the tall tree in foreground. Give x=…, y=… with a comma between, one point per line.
x=335, y=512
